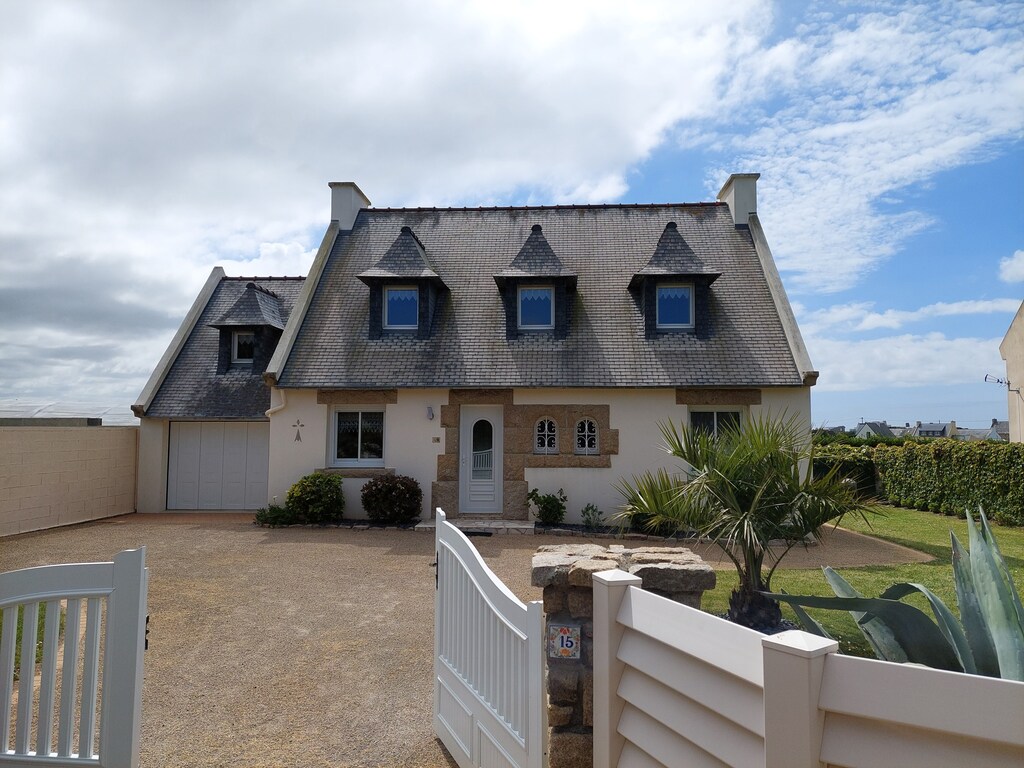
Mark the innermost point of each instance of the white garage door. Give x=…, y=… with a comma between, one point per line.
x=218, y=465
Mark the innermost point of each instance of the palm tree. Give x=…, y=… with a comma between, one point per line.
x=744, y=489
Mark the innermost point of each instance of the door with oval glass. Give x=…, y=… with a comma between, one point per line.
x=481, y=468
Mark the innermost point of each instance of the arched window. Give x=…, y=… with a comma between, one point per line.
x=586, y=437
x=545, y=436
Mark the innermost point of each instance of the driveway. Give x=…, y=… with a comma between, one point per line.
x=299, y=647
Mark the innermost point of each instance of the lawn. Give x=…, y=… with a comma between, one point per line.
x=922, y=531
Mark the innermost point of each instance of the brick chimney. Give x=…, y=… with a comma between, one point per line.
x=740, y=193
x=346, y=200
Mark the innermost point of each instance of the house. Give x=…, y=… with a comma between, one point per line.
x=1011, y=349
x=933, y=429
x=873, y=429
x=994, y=431
x=484, y=352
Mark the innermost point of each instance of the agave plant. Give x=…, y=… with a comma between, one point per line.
x=987, y=639
x=744, y=489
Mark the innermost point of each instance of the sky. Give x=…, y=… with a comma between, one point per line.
x=143, y=143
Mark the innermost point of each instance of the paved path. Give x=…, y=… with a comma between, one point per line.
x=301, y=647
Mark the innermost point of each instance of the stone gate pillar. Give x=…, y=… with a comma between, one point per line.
x=565, y=572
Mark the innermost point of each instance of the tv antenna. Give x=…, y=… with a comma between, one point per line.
x=990, y=379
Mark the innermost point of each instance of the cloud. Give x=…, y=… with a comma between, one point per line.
x=1011, y=269
x=860, y=111
x=902, y=361
x=860, y=316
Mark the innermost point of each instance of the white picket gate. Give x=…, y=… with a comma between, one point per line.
x=100, y=673
x=488, y=662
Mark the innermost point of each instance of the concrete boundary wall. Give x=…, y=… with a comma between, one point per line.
x=52, y=476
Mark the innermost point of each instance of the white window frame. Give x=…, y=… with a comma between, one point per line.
x=717, y=409
x=546, y=451
x=657, y=306
x=333, y=459
x=393, y=326
x=519, y=307
x=234, y=346
x=586, y=451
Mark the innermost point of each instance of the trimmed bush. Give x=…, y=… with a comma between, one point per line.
x=317, y=499
x=274, y=516
x=550, y=506
x=393, y=499
x=856, y=462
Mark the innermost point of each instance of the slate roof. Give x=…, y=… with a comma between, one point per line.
x=405, y=258
x=605, y=246
x=535, y=259
x=879, y=428
x=673, y=256
x=256, y=306
x=192, y=388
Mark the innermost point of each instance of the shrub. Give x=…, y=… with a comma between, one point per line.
x=592, y=516
x=274, y=516
x=550, y=506
x=316, y=499
x=394, y=499
x=856, y=462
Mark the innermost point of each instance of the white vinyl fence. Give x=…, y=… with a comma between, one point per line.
x=677, y=687
x=488, y=662
x=84, y=706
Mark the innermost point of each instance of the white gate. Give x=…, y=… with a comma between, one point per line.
x=100, y=672
x=488, y=662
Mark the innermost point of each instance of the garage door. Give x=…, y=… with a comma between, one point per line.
x=218, y=465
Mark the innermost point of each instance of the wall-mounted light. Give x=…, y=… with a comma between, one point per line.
x=430, y=412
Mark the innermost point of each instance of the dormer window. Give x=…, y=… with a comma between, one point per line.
x=536, y=308
x=243, y=346
x=401, y=307
x=675, y=306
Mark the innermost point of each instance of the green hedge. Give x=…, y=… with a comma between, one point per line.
x=951, y=476
x=855, y=462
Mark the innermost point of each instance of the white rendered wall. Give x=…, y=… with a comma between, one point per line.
x=152, y=465
x=1012, y=351
x=636, y=414
x=409, y=446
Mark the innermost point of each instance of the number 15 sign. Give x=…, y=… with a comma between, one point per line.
x=563, y=641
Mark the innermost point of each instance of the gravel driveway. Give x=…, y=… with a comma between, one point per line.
x=298, y=647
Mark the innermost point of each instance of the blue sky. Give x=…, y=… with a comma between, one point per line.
x=141, y=145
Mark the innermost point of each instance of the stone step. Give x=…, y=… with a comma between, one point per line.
x=496, y=527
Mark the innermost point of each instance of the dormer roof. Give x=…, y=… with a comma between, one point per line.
x=406, y=258
x=257, y=306
x=536, y=260
x=673, y=258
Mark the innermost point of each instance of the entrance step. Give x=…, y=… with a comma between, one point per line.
x=487, y=527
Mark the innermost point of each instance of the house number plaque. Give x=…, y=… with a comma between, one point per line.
x=563, y=641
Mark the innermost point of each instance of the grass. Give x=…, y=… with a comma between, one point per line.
x=39, y=635
x=923, y=531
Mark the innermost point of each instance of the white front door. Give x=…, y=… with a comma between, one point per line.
x=481, y=453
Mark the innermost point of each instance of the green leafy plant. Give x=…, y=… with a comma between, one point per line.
x=744, y=489
x=550, y=506
x=274, y=516
x=987, y=639
x=592, y=516
x=392, y=499
x=316, y=499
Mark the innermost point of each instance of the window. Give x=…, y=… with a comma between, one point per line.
x=545, y=438
x=586, y=437
x=537, y=307
x=359, y=438
x=401, y=307
x=714, y=422
x=243, y=343
x=675, y=306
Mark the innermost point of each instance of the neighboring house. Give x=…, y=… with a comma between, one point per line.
x=972, y=435
x=486, y=351
x=873, y=429
x=897, y=431
x=933, y=429
x=1012, y=351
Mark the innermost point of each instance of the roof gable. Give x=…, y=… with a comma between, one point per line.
x=673, y=257
x=536, y=259
x=406, y=258
x=258, y=306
